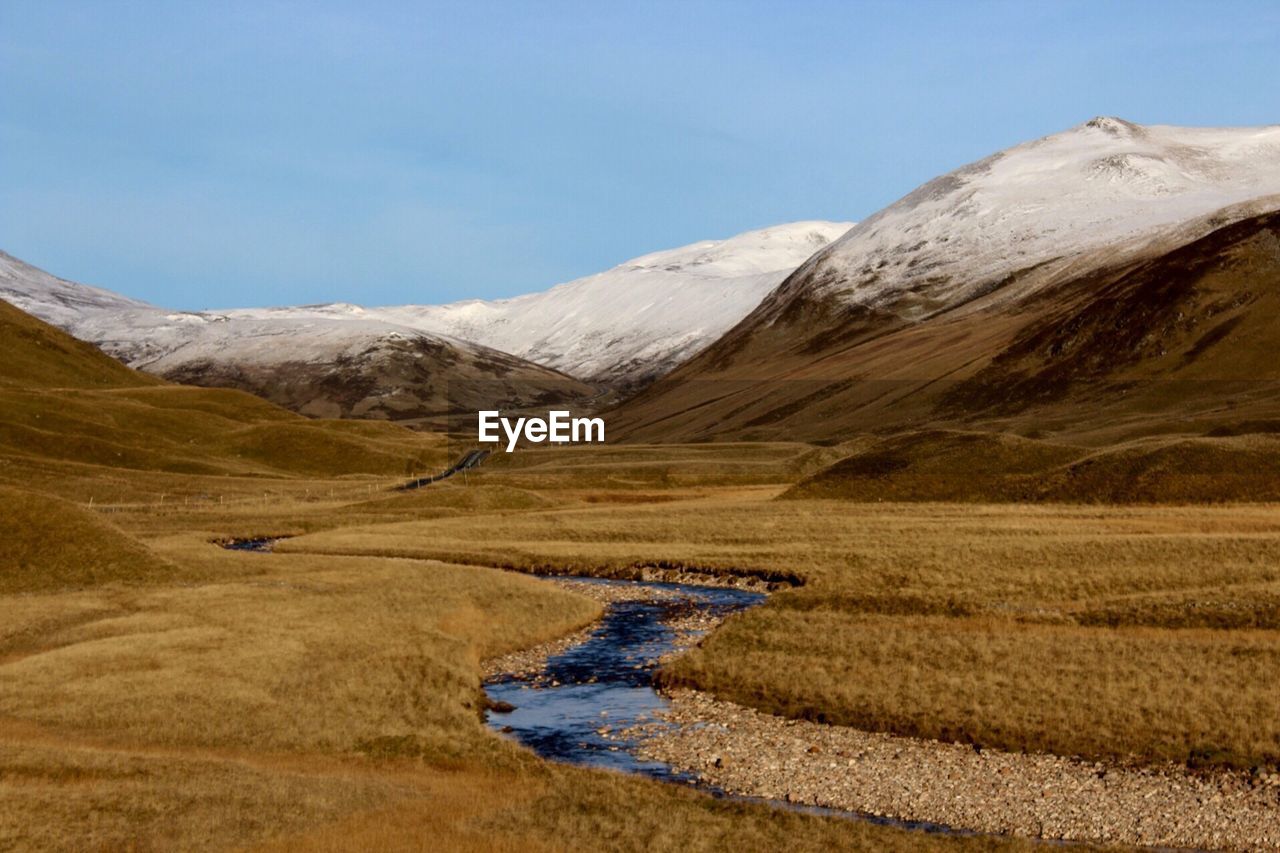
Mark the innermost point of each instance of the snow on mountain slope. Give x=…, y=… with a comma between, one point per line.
x=1109, y=251
x=326, y=366
x=53, y=299
x=627, y=324
x=146, y=336
x=1104, y=182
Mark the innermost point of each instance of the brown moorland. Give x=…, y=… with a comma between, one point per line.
x=1139, y=633
x=159, y=692
x=48, y=544
x=983, y=467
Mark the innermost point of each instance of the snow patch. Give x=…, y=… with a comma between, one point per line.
x=1102, y=183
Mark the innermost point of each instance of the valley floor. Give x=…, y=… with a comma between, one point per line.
x=327, y=696
x=326, y=703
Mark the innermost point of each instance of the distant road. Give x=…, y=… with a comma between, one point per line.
x=469, y=460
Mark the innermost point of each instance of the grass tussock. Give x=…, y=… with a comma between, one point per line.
x=1151, y=695
x=553, y=808
x=372, y=648
x=49, y=544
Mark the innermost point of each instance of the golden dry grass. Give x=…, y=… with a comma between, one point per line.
x=198, y=431
x=1201, y=697
x=1145, y=632
x=630, y=468
x=369, y=648
x=306, y=702
x=975, y=467
x=47, y=543
x=556, y=808
x=157, y=692
x=65, y=407
x=38, y=355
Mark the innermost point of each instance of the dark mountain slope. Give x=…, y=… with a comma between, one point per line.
x=1116, y=351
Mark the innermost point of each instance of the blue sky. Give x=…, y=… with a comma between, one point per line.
x=223, y=154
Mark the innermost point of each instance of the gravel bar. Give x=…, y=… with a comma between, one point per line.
x=744, y=751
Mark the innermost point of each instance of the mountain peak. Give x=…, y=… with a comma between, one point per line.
x=639, y=319
x=1102, y=183
x=1114, y=126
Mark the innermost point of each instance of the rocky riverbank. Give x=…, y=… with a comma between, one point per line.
x=750, y=581
x=528, y=664
x=743, y=751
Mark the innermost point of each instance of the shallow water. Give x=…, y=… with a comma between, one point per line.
x=606, y=681
x=260, y=546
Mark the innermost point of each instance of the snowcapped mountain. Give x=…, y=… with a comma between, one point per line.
x=1108, y=253
x=623, y=326
x=322, y=366
x=57, y=300
x=641, y=318
x=620, y=327
x=1104, y=183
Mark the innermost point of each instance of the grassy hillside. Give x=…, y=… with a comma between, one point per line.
x=974, y=467
x=936, y=465
x=1178, y=338
x=39, y=356
x=49, y=544
x=64, y=401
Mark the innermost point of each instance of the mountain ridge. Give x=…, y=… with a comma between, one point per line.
x=825, y=355
x=623, y=326
x=316, y=366
x=421, y=363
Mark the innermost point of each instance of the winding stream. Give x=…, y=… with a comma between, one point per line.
x=573, y=709
x=607, y=681
x=577, y=708
x=257, y=546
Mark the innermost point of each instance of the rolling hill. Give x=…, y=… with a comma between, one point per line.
x=318, y=366
x=38, y=355
x=65, y=405
x=48, y=544
x=76, y=424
